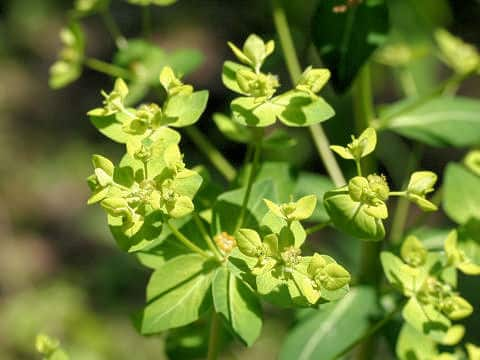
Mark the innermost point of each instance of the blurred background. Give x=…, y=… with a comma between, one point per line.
x=60, y=270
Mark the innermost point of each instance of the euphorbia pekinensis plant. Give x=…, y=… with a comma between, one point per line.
x=219, y=250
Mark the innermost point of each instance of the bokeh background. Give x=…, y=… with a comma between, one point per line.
x=60, y=270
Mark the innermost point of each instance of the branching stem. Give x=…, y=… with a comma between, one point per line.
x=184, y=240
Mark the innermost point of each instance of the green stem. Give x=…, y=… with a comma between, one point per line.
x=206, y=237
x=370, y=267
x=183, y=239
x=319, y=137
x=112, y=27
x=250, y=179
x=359, y=167
x=146, y=21
x=397, y=193
x=215, y=157
x=107, y=68
x=213, y=341
x=317, y=227
x=401, y=212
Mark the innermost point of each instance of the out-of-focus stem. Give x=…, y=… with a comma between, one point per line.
x=319, y=137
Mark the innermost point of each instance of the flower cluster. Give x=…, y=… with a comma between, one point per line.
x=259, y=105
x=359, y=207
x=152, y=177
x=428, y=278
x=279, y=266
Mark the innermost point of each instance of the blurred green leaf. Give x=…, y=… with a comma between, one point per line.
x=461, y=194
x=443, y=121
x=177, y=293
x=238, y=305
x=324, y=334
x=146, y=60
x=345, y=35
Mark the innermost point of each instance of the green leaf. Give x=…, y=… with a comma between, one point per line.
x=231, y=129
x=413, y=345
x=331, y=329
x=177, y=293
x=442, y=121
x=346, y=39
x=311, y=183
x=238, y=304
x=430, y=322
x=461, y=194
x=248, y=242
x=186, y=109
x=111, y=126
x=400, y=275
x=296, y=108
x=351, y=216
x=248, y=111
x=146, y=234
x=229, y=75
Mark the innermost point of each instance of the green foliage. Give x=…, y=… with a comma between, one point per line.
x=359, y=208
x=443, y=121
x=222, y=248
x=177, y=293
x=346, y=34
x=238, y=304
x=283, y=275
x=428, y=279
x=332, y=328
x=461, y=193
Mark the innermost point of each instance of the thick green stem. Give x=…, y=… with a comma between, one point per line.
x=114, y=30
x=107, y=68
x=293, y=65
x=183, y=239
x=250, y=179
x=206, y=237
x=213, y=340
x=370, y=267
x=211, y=152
